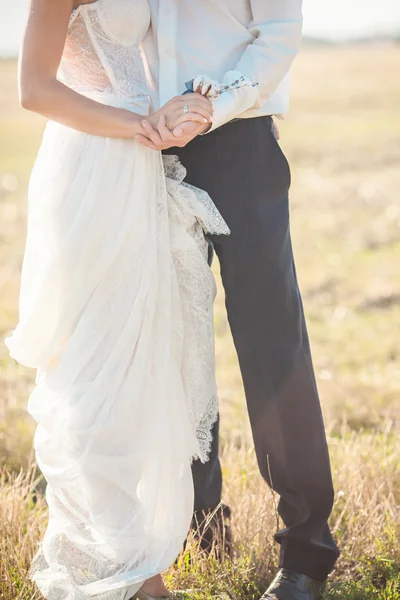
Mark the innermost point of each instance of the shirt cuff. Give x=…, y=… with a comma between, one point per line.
x=232, y=103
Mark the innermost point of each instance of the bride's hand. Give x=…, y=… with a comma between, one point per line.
x=181, y=109
x=161, y=138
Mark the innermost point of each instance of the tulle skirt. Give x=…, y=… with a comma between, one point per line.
x=116, y=317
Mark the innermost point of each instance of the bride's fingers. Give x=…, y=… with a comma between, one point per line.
x=142, y=139
x=163, y=130
x=151, y=133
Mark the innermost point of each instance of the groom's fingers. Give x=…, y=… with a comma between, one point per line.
x=176, y=118
x=190, y=117
x=205, y=89
x=194, y=108
x=198, y=99
x=207, y=110
x=276, y=130
x=196, y=103
x=187, y=129
x=186, y=132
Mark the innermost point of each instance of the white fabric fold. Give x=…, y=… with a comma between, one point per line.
x=116, y=315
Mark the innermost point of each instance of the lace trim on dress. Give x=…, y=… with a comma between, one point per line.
x=196, y=214
x=102, y=54
x=75, y=12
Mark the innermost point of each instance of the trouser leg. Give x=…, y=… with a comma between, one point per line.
x=246, y=174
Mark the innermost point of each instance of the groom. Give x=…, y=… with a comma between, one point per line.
x=239, y=162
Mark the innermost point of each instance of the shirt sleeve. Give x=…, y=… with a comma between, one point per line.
x=276, y=27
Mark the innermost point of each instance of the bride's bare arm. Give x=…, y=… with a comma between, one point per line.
x=40, y=91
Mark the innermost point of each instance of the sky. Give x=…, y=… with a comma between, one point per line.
x=336, y=19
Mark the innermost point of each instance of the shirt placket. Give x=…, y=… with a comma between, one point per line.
x=166, y=39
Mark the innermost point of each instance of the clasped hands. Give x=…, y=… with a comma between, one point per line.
x=178, y=122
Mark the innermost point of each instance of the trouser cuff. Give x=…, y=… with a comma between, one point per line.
x=316, y=562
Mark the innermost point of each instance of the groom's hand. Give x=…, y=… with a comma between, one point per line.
x=161, y=138
x=187, y=128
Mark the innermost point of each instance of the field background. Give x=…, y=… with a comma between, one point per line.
x=342, y=139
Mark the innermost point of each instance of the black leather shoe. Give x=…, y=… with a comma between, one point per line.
x=289, y=585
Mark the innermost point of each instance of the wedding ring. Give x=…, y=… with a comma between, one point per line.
x=186, y=109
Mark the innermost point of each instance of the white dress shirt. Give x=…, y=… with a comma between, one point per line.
x=225, y=40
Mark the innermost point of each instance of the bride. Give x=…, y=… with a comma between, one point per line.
x=115, y=307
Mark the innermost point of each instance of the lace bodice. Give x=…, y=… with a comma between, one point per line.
x=102, y=56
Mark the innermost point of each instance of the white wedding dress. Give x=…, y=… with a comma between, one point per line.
x=116, y=315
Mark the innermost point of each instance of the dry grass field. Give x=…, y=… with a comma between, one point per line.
x=343, y=142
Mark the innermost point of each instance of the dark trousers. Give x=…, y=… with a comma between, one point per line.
x=243, y=168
